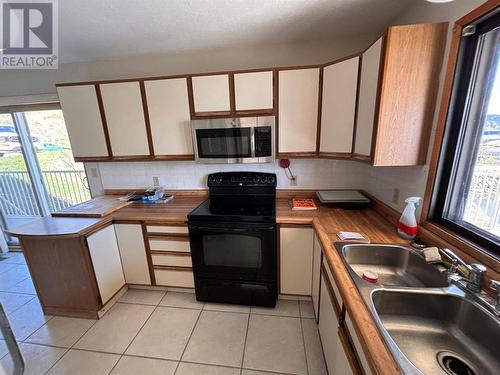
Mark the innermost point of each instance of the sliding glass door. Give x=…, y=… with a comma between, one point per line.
x=38, y=174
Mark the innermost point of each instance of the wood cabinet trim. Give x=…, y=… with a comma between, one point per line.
x=148, y=254
x=173, y=268
x=333, y=298
x=335, y=155
x=147, y=122
x=349, y=350
x=181, y=237
x=320, y=107
x=103, y=120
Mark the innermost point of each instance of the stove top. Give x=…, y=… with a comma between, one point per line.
x=239, y=196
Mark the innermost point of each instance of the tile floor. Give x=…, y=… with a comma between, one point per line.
x=158, y=332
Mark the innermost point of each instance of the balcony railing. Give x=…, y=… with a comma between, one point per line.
x=64, y=188
x=482, y=208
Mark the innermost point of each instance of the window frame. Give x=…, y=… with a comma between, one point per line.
x=434, y=229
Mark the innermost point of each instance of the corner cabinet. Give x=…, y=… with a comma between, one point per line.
x=298, y=99
x=106, y=262
x=397, y=93
x=83, y=121
x=338, y=108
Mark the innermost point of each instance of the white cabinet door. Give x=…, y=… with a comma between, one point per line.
x=338, y=106
x=83, y=120
x=253, y=91
x=328, y=326
x=106, y=261
x=169, y=116
x=367, y=100
x=296, y=256
x=316, y=275
x=211, y=93
x=298, y=110
x=125, y=118
x=133, y=253
x=357, y=344
x=342, y=365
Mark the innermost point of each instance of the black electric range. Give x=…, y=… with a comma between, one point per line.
x=233, y=240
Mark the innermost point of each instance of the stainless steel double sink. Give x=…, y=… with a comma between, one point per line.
x=431, y=326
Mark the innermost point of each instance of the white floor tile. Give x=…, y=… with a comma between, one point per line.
x=226, y=307
x=283, y=308
x=14, y=257
x=179, y=299
x=27, y=319
x=254, y=372
x=13, y=276
x=37, y=359
x=26, y=287
x=314, y=351
x=4, y=266
x=198, y=369
x=306, y=309
x=116, y=329
x=141, y=296
x=128, y=365
x=3, y=348
x=12, y=301
x=61, y=331
x=275, y=344
x=166, y=333
x=218, y=338
x=80, y=362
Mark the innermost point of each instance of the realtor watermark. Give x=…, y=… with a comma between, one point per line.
x=28, y=34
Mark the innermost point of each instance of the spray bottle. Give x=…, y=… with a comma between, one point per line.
x=407, y=225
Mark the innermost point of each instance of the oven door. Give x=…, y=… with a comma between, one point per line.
x=234, y=251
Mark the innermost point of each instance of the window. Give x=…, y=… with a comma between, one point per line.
x=466, y=199
x=38, y=174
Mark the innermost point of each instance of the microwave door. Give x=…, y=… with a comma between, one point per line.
x=224, y=143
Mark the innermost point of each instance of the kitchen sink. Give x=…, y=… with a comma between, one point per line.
x=438, y=333
x=395, y=265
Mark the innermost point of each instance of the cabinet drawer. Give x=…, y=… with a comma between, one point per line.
x=156, y=244
x=171, y=260
x=166, y=229
x=332, y=281
x=175, y=278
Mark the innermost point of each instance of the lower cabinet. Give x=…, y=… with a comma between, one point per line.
x=133, y=253
x=316, y=272
x=296, y=258
x=328, y=326
x=103, y=248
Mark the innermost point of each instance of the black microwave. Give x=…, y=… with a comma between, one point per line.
x=234, y=140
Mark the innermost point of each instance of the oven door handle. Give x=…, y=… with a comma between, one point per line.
x=233, y=230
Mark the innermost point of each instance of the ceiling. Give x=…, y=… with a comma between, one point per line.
x=96, y=29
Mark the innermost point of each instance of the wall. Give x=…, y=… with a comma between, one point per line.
x=311, y=174
x=29, y=82
x=411, y=181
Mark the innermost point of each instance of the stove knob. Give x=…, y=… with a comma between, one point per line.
x=264, y=179
x=272, y=179
x=218, y=179
x=211, y=179
x=257, y=179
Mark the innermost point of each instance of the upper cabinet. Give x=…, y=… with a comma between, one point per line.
x=298, y=111
x=168, y=107
x=397, y=95
x=83, y=121
x=254, y=91
x=338, y=107
x=125, y=119
x=211, y=94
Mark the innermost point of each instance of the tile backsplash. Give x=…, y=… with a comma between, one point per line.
x=311, y=174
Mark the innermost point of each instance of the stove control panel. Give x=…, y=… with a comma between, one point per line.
x=242, y=179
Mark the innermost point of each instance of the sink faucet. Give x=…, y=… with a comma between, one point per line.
x=476, y=271
x=495, y=285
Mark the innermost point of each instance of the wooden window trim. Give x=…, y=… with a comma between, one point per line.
x=431, y=231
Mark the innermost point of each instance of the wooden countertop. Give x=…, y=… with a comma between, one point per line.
x=96, y=207
x=327, y=222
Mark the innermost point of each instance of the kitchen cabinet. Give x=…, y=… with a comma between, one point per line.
x=298, y=111
x=83, y=121
x=397, y=96
x=124, y=112
x=296, y=257
x=344, y=363
x=106, y=262
x=211, y=94
x=356, y=345
x=253, y=91
x=316, y=274
x=338, y=108
x=133, y=253
x=328, y=326
x=169, y=116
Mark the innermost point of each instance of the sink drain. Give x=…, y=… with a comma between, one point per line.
x=454, y=364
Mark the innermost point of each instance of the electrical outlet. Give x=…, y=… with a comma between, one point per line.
x=156, y=181
x=395, y=196
x=293, y=181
